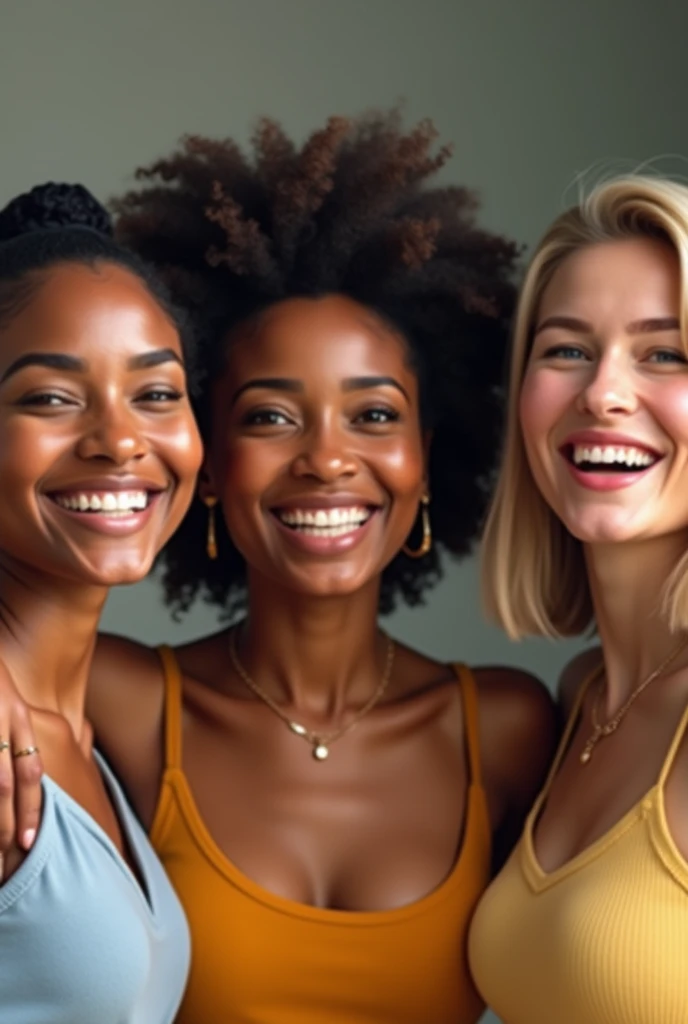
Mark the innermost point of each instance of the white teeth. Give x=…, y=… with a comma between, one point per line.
x=612, y=454
x=326, y=522
x=110, y=502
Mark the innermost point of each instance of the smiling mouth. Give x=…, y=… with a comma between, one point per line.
x=105, y=503
x=324, y=522
x=612, y=458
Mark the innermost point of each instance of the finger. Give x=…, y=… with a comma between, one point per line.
x=28, y=771
x=7, y=820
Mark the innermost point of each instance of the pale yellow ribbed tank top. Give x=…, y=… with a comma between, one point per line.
x=601, y=940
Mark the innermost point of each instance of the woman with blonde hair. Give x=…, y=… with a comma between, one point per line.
x=588, y=921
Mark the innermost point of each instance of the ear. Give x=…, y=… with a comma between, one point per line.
x=206, y=485
x=427, y=442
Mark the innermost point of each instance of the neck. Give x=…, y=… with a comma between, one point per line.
x=47, y=635
x=627, y=582
x=319, y=655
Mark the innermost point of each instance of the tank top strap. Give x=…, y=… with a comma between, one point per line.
x=673, y=749
x=469, y=699
x=173, y=706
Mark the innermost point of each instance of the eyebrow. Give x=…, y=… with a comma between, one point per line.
x=296, y=386
x=360, y=383
x=648, y=326
x=72, y=364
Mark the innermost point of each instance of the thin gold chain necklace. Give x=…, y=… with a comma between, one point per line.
x=602, y=730
x=320, y=742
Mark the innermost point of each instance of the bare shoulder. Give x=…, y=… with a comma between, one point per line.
x=117, y=656
x=122, y=671
x=519, y=728
x=573, y=674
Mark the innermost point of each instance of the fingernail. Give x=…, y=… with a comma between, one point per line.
x=28, y=838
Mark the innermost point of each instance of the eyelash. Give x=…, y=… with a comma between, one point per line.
x=375, y=416
x=371, y=415
x=164, y=395
x=45, y=399
x=675, y=356
x=54, y=400
x=558, y=352
x=567, y=351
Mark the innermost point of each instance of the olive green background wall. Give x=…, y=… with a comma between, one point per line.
x=533, y=92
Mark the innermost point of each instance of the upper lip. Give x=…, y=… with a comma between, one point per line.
x=602, y=438
x=325, y=501
x=109, y=483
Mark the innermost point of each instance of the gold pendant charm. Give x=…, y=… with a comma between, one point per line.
x=587, y=750
x=320, y=752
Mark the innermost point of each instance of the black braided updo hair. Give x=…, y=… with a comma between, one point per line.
x=348, y=212
x=55, y=224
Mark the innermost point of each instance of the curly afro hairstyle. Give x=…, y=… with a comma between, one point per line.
x=348, y=212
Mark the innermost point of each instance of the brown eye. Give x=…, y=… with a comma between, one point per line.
x=378, y=415
x=45, y=399
x=161, y=395
x=265, y=418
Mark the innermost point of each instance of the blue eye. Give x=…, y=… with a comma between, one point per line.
x=565, y=352
x=667, y=355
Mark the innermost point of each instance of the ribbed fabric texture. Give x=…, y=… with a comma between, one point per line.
x=81, y=942
x=262, y=959
x=602, y=940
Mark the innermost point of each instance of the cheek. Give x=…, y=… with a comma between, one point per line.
x=182, y=448
x=29, y=448
x=545, y=398
x=669, y=406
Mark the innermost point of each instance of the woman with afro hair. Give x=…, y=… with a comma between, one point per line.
x=328, y=803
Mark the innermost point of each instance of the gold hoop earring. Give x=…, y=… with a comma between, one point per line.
x=426, y=542
x=211, y=536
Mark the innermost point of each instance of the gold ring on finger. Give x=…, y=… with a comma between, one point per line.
x=25, y=752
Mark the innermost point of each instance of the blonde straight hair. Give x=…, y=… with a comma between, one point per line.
x=533, y=571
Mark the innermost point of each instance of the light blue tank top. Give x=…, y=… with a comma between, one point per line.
x=80, y=941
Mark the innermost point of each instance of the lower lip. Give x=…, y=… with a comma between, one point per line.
x=312, y=545
x=111, y=525
x=597, y=481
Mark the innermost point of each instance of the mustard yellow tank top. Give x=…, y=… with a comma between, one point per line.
x=262, y=959
x=601, y=940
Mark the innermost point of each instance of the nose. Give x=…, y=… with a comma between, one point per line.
x=325, y=455
x=610, y=390
x=113, y=435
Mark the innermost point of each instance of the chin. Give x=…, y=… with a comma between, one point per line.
x=117, y=574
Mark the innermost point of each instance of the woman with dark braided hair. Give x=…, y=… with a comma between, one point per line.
x=329, y=804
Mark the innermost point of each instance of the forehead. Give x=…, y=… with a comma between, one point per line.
x=91, y=312
x=306, y=337
x=633, y=278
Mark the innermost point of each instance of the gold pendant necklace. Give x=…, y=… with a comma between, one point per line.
x=602, y=730
x=320, y=742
